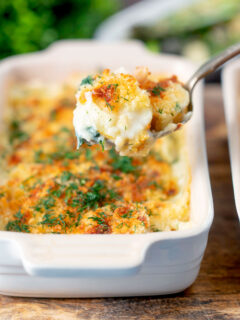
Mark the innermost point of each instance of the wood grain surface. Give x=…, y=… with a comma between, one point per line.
x=216, y=292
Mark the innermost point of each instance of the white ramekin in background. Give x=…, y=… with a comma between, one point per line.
x=231, y=96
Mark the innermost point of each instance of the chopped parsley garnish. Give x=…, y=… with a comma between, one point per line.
x=95, y=134
x=127, y=215
x=178, y=107
x=157, y=89
x=100, y=220
x=45, y=203
x=16, y=133
x=68, y=187
x=155, y=184
x=82, y=182
x=95, y=137
x=122, y=163
x=120, y=225
x=102, y=144
x=115, y=85
x=41, y=157
x=49, y=219
x=116, y=177
x=96, y=195
x=53, y=115
x=87, y=80
x=68, y=155
x=17, y=225
x=160, y=111
x=109, y=105
x=88, y=154
x=154, y=229
x=65, y=129
x=66, y=176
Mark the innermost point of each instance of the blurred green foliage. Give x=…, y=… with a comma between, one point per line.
x=30, y=25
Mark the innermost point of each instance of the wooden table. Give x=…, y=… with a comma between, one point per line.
x=216, y=292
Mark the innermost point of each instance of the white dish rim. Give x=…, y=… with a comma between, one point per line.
x=141, y=241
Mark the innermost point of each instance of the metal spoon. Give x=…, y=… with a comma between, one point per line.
x=205, y=69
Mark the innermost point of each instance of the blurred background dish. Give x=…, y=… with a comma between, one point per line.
x=196, y=29
x=197, y=32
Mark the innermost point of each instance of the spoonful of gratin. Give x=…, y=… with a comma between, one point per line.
x=129, y=111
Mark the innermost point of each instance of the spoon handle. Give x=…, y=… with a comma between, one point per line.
x=212, y=65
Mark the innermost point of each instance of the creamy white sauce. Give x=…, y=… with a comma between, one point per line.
x=119, y=127
x=85, y=116
x=127, y=127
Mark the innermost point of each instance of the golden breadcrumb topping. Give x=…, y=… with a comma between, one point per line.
x=50, y=187
x=125, y=110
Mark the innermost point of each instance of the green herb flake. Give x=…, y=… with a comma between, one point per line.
x=119, y=226
x=155, y=184
x=115, y=85
x=116, y=177
x=49, y=219
x=122, y=163
x=17, y=225
x=16, y=133
x=154, y=229
x=45, y=203
x=87, y=80
x=88, y=154
x=100, y=221
x=53, y=115
x=109, y=105
x=157, y=89
x=97, y=219
x=41, y=157
x=66, y=176
x=178, y=107
x=82, y=181
x=128, y=215
x=102, y=144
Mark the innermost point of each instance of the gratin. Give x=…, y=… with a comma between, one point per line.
x=49, y=187
x=125, y=111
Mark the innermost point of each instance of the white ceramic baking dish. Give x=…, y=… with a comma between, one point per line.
x=108, y=265
x=231, y=95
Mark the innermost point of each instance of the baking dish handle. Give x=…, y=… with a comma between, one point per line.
x=88, y=257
